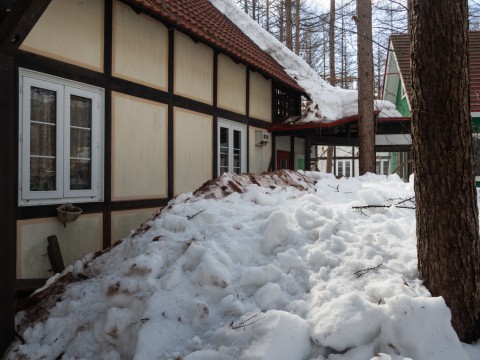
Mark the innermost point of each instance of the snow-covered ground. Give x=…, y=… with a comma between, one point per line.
x=273, y=267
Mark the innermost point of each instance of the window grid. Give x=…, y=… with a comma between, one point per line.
x=60, y=154
x=231, y=147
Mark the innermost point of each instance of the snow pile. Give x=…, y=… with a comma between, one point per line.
x=328, y=103
x=387, y=109
x=279, y=267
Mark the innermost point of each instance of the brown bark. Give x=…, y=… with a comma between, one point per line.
x=332, y=77
x=288, y=24
x=281, y=21
x=444, y=163
x=329, y=168
x=267, y=24
x=331, y=42
x=297, y=27
x=366, y=130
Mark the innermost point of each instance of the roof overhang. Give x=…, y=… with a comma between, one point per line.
x=343, y=131
x=18, y=23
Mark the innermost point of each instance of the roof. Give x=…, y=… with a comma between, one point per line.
x=401, y=46
x=209, y=25
x=293, y=123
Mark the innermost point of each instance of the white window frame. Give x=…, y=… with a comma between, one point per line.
x=342, y=164
x=381, y=162
x=231, y=126
x=63, y=88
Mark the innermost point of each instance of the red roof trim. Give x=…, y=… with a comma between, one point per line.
x=320, y=125
x=312, y=125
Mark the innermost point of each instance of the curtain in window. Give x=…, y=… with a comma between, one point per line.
x=43, y=120
x=80, y=143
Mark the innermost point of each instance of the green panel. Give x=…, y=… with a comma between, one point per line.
x=475, y=124
x=401, y=103
x=301, y=164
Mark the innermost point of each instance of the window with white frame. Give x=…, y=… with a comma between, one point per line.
x=382, y=166
x=61, y=157
x=232, y=147
x=344, y=168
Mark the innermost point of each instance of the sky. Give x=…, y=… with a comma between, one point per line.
x=268, y=267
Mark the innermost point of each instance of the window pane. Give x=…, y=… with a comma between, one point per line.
x=80, y=111
x=237, y=151
x=43, y=147
x=80, y=174
x=43, y=105
x=80, y=143
x=42, y=139
x=347, y=168
x=223, y=150
x=42, y=174
x=385, y=167
x=378, y=167
x=340, y=168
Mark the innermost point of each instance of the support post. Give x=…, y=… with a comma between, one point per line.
x=7, y=202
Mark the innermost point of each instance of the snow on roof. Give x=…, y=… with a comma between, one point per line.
x=387, y=109
x=274, y=266
x=328, y=103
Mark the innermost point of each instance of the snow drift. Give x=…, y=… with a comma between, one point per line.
x=265, y=267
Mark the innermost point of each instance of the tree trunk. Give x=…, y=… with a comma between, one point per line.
x=288, y=24
x=342, y=53
x=329, y=168
x=444, y=163
x=333, y=80
x=379, y=72
x=366, y=129
x=297, y=27
x=331, y=42
x=281, y=22
x=267, y=23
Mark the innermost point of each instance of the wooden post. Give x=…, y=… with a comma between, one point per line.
x=55, y=254
x=7, y=202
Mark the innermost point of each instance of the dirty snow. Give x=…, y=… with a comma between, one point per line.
x=249, y=269
x=329, y=103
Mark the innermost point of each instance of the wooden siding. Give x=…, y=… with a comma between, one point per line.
x=400, y=44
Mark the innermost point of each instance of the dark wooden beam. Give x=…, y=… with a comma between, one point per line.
x=7, y=201
x=215, y=117
x=170, y=137
x=308, y=145
x=292, y=152
x=393, y=127
x=247, y=113
x=107, y=69
x=139, y=204
x=393, y=148
x=19, y=22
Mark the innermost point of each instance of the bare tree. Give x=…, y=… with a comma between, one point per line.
x=366, y=129
x=331, y=42
x=444, y=163
x=288, y=24
x=297, y=27
x=331, y=47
